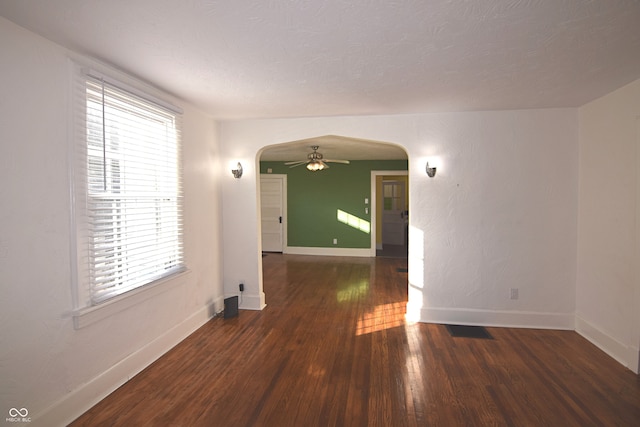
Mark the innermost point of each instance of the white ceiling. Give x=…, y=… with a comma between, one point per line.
x=283, y=58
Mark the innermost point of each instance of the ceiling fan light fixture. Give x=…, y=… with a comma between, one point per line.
x=315, y=161
x=315, y=165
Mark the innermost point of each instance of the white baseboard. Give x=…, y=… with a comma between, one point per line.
x=356, y=252
x=251, y=302
x=624, y=354
x=507, y=319
x=77, y=402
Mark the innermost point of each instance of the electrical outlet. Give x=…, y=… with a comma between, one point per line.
x=241, y=287
x=335, y=241
x=514, y=293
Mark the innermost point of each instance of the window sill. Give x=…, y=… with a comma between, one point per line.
x=86, y=316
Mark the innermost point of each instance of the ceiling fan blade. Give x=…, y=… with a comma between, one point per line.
x=298, y=162
x=345, y=162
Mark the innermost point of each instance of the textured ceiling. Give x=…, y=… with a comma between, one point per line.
x=269, y=58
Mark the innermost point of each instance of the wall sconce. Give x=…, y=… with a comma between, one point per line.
x=237, y=173
x=431, y=171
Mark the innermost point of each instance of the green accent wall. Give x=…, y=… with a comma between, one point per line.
x=314, y=198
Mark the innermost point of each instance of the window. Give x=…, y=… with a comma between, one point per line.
x=131, y=190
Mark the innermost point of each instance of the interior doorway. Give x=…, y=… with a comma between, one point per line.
x=275, y=158
x=390, y=213
x=273, y=205
x=393, y=213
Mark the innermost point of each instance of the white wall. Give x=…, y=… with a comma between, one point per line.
x=501, y=212
x=608, y=275
x=47, y=366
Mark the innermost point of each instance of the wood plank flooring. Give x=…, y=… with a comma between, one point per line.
x=332, y=348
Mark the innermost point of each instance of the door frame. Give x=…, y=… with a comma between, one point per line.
x=374, y=198
x=283, y=178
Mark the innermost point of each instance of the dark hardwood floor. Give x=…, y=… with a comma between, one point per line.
x=332, y=348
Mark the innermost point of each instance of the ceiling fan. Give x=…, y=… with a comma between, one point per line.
x=315, y=161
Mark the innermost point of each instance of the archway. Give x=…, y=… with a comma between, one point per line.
x=328, y=212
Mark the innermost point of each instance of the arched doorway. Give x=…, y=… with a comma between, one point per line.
x=327, y=212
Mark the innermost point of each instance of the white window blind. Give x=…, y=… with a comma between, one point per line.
x=132, y=189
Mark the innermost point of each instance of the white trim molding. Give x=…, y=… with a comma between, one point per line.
x=250, y=302
x=622, y=353
x=498, y=318
x=86, y=316
x=77, y=402
x=354, y=252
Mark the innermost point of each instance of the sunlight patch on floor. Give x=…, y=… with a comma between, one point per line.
x=384, y=316
x=353, y=292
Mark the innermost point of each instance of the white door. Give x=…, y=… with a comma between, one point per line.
x=393, y=208
x=272, y=211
